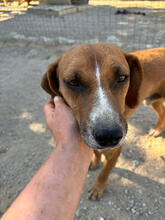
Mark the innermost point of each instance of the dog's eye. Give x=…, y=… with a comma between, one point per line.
x=122, y=78
x=73, y=84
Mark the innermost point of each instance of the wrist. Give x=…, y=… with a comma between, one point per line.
x=75, y=147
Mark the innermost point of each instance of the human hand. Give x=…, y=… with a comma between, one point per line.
x=61, y=121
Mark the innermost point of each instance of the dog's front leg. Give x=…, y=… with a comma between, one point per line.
x=95, y=160
x=111, y=156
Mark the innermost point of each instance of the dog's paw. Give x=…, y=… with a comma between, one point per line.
x=96, y=192
x=94, y=165
x=154, y=132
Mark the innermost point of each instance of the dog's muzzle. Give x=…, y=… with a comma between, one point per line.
x=101, y=136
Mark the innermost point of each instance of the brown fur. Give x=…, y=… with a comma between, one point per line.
x=147, y=81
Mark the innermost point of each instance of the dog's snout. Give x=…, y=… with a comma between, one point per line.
x=107, y=137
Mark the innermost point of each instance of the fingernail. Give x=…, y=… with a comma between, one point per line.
x=56, y=99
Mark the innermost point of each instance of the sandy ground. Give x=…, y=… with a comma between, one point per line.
x=136, y=187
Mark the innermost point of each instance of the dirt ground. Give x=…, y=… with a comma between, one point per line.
x=136, y=187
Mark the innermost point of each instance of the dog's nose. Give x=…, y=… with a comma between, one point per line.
x=108, y=137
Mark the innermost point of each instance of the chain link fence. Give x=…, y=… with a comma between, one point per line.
x=130, y=25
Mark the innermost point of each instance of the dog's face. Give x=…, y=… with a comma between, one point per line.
x=97, y=81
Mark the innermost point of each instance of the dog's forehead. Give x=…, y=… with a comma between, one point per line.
x=86, y=56
x=90, y=51
x=77, y=58
x=107, y=55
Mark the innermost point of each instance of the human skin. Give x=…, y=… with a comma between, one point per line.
x=54, y=192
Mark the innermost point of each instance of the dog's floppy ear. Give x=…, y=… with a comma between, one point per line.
x=50, y=82
x=136, y=77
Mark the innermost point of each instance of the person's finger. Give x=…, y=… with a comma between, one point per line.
x=50, y=102
x=58, y=101
x=49, y=106
x=60, y=105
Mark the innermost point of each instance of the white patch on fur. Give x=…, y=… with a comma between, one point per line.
x=102, y=106
x=98, y=75
x=164, y=104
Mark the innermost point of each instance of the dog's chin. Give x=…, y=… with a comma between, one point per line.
x=90, y=143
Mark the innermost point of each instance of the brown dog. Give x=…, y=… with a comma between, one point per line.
x=104, y=86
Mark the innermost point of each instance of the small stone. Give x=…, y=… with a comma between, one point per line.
x=137, y=213
x=26, y=164
x=19, y=181
x=136, y=163
x=77, y=212
x=149, y=46
x=11, y=134
x=133, y=210
x=146, y=215
x=112, y=38
x=146, y=181
x=32, y=53
x=81, y=201
x=9, y=196
x=3, y=150
x=132, y=201
x=159, y=202
x=33, y=154
x=149, y=212
x=83, y=211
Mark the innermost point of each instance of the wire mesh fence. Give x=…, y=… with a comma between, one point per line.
x=130, y=25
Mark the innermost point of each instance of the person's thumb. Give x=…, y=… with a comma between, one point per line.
x=61, y=107
x=58, y=101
